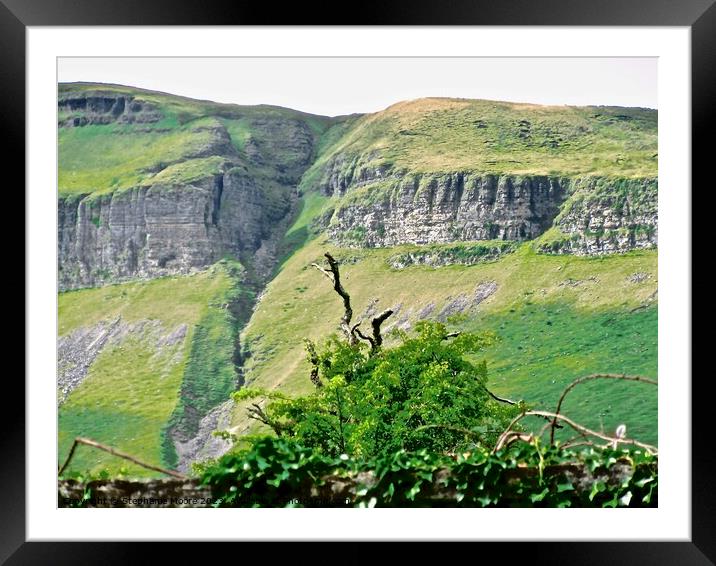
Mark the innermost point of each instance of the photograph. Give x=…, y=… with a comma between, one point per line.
x=348, y=282
x=425, y=277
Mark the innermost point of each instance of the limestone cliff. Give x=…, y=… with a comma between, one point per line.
x=379, y=208
x=199, y=181
x=76, y=109
x=165, y=228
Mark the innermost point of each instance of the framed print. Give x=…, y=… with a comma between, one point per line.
x=475, y=189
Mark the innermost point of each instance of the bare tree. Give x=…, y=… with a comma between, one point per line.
x=351, y=333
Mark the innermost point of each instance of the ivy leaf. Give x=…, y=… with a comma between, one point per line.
x=597, y=488
x=643, y=481
x=625, y=499
x=536, y=497
x=414, y=491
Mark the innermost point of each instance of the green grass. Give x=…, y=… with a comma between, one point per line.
x=134, y=387
x=445, y=135
x=310, y=207
x=104, y=158
x=544, y=346
x=170, y=300
x=124, y=402
x=580, y=295
x=99, y=158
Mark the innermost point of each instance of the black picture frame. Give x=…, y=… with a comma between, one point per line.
x=699, y=15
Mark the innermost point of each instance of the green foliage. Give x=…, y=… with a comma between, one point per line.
x=268, y=475
x=419, y=394
x=278, y=472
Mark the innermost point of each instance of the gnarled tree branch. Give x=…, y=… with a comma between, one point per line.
x=377, y=321
x=335, y=277
x=589, y=378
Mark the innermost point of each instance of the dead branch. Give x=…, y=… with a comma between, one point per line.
x=451, y=335
x=589, y=378
x=335, y=277
x=352, y=333
x=364, y=337
x=614, y=440
x=377, y=321
x=115, y=452
x=500, y=399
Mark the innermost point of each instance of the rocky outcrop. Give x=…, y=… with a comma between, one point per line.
x=608, y=219
x=460, y=254
x=440, y=208
x=204, y=445
x=162, y=229
x=593, y=215
x=82, y=108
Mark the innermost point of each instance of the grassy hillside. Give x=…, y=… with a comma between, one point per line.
x=133, y=386
x=105, y=157
x=442, y=135
x=559, y=317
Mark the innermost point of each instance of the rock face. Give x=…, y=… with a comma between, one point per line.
x=422, y=209
x=204, y=445
x=78, y=109
x=162, y=229
x=593, y=216
x=598, y=220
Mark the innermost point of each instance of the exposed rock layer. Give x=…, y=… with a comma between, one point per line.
x=77, y=109
x=162, y=229
x=592, y=216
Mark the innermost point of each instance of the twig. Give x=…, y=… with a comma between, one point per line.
x=257, y=413
x=575, y=426
x=114, y=452
x=500, y=399
x=589, y=378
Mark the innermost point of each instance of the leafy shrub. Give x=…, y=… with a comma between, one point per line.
x=420, y=394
